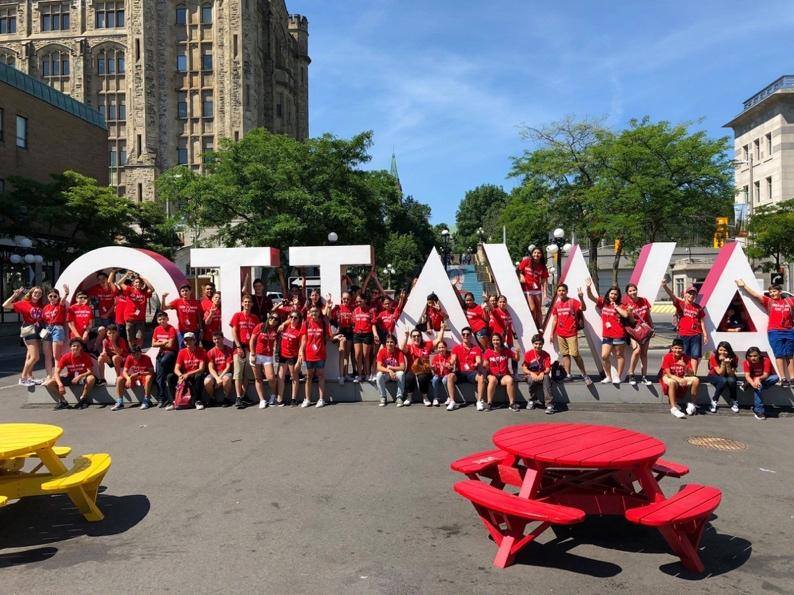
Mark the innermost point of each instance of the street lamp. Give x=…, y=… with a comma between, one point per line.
x=558, y=246
x=480, y=235
x=332, y=237
x=445, y=247
x=389, y=271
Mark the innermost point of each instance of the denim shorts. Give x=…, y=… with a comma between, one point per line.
x=693, y=345
x=782, y=343
x=611, y=341
x=319, y=365
x=57, y=333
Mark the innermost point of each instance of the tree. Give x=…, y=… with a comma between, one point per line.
x=477, y=207
x=772, y=232
x=526, y=219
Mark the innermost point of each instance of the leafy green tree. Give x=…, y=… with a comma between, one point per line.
x=403, y=252
x=526, y=218
x=478, y=206
x=772, y=232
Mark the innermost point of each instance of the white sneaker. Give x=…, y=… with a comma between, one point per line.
x=647, y=382
x=427, y=402
x=713, y=407
x=169, y=407
x=480, y=406
x=306, y=403
x=355, y=380
x=382, y=402
x=23, y=382
x=676, y=412
x=199, y=405
x=606, y=380
x=632, y=380
x=262, y=404
x=340, y=380
x=691, y=409
x=319, y=404
x=616, y=383
x=407, y=402
x=452, y=405
x=436, y=403
x=530, y=405
x=735, y=407
x=398, y=401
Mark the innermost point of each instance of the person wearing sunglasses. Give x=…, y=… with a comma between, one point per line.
x=263, y=349
x=477, y=318
x=28, y=306
x=342, y=319
x=467, y=362
x=54, y=316
x=417, y=360
x=80, y=317
x=289, y=357
x=314, y=336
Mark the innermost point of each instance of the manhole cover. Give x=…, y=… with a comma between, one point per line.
x=716, y=443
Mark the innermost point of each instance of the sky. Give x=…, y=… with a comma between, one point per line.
x=448, y=84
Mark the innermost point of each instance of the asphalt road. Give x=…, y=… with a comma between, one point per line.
x=358, y=499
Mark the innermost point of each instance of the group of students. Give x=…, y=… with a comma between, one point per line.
x=273, y=344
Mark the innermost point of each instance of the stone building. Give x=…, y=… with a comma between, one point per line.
x=170, y=77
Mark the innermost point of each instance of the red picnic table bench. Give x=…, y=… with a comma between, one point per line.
x=567, y=471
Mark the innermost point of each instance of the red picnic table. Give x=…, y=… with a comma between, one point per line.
x=566, y=471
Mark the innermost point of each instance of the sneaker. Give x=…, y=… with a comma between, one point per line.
x=82, y=403
x=362, y=378
x=23, y=382
x=398, y=401
x=480, y=406
x=382, y=402
x=281, y=404
x=588, y=381
x=306, y=403
x=735, y=407
x=145, y=404
x=632, y=380
x=515, y=408
x=61, y=405
x=169, y=407
x=786, y=383
x=371, y=378
x=427, y=402
x=452, y=406
x=37, y=381
x=340, y=380
x=713, y=407
x=227, y=403
x=647, y=382
x=676, y=412
x=319, y=403
x=530, y=405
x=606, y=380
x=262, y=404
x=488, y=407
x=436, y=403
x=238, y=402
x=117, y=406
x=407, y=402
x=760, y=416
x=691, y=409
x=356, y=380
x=550, y=410
x=271, y=402
x=616, y=383
x=199, y=405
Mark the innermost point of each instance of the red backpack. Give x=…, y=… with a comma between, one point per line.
x=182, y=396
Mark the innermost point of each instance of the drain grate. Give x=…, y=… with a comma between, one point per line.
x=716, y=443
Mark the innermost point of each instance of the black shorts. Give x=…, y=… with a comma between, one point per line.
x=347, y=333
x=470, y=377
x=289, y=361
x=362, y=339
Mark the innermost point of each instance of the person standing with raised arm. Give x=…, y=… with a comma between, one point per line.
x=691, y=323
x=137, y=299
x=565, y=314
x=613, y=335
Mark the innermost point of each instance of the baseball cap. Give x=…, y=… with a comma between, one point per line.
x=187, y=336
x=692, y=289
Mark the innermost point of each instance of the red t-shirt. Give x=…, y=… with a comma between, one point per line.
x=763, y=366
x=435, y=316
x=245, y=325
x=779, y=310
x=120, y=348
x=316, y=333
x=290, y=341
x=441, y=363
x=537, y=362
x=502, y=323
x=415, y=351
x=81, y=316
x=265, y=339
x=343, y=316
x=213, y=325
x=641, y=308
x=475, y=316
x=121, y=309
x=387, y=320
x=533, y=273
x=714, y=365
x=163, y=333
x=220, y=357
x=611, y=327
x=566, y=312
x=30, y=313
x=689, y=317
x=105, y=297
x=135, y=310
x=284, y=309
x=188, y=312
x=54, y=314
x=138, y=365
x=677, y=367
x=189, y=361
x=498, y=362
x=76, y=365
x=395, y=359
x=466, y=357
x=362, y=320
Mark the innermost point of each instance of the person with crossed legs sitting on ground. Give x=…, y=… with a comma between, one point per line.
x=677, y=376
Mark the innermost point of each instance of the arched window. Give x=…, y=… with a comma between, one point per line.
x=54, y=68
x=110, y=61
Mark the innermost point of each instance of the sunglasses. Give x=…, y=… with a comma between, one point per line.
x=466, y=334
x=295, y=317
x=416, y=336
x=53, y=295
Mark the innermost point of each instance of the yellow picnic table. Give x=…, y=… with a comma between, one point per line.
x=19, y=441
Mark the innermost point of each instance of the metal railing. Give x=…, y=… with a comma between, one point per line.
x=785, y=81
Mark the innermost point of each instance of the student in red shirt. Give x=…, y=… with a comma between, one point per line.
x=188, y=310
x=164, y=339
x=390, y=364
x=496, y=361
x=262, y=304
x=137, y=298
x=54, y=334
x=104, y=294
x=138, y=369
x=220, y=366
x=723, y=364
x=342, y=319
x=434, y=314
x=467, y=361
x=28, y=306
x=243, y=324
x=640, y=311
x=534, y=277
x=190, y=367
x=262, y=347
x=613, y=334
x=80, y=317
x=417, y=361
x=565, y=315
x=386, y=319
x=760, y=375
x=499, y=319
x=442, y=366
x=314, y=335
x=691, y=323
x=207, y=291
x=780, y=327
x=677, y=376
x=289, y=357
x=79, y=368
x=114, y=353
x=477, y=319
x=212, y=319
x=364, y=334
x=120, y=311
x=537, y=367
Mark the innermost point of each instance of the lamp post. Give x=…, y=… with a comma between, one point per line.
x=389, y=271
x=333, y=237
x=558, y=246
x=445, y=247
x=480, y=235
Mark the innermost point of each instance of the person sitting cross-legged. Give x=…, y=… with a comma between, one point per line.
x=677, y=376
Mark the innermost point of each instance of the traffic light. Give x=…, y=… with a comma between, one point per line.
x=720, y=232
x=618, y=245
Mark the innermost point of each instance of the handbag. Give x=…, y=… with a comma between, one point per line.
x=27, y=331
x=182, y=396
x=640, y=332
x=420, y=366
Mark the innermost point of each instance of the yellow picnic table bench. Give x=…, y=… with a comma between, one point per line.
x=21, y=441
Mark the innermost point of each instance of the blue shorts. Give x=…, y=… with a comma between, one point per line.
x=470, y=377
x=611, y=341
x=57, y=333
x=693, y=345
x=782, y=343
x=315, y=365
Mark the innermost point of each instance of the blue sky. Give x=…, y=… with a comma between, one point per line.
x=448, y=83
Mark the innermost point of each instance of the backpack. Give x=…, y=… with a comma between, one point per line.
x=182, y=396
x=558, y=373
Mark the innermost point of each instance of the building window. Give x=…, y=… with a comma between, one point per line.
x=206, y=104
x=181, y=15
x=757, y=149
x=206, y=14
x=55, y=64
x=769, y=188
x=22, y=132
x=769, y=144
x=746, y=152
x=181, y=61
x=122, y=106
x=110, y=61
x=54, y=16
x=206, y=59
x=109, y=14
x=8, y=19
x=207, y=146
x=181, y=105
x=112, y=159
x=745, y=190
x=181, y=152
x=122, y=153
x=757, y=192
